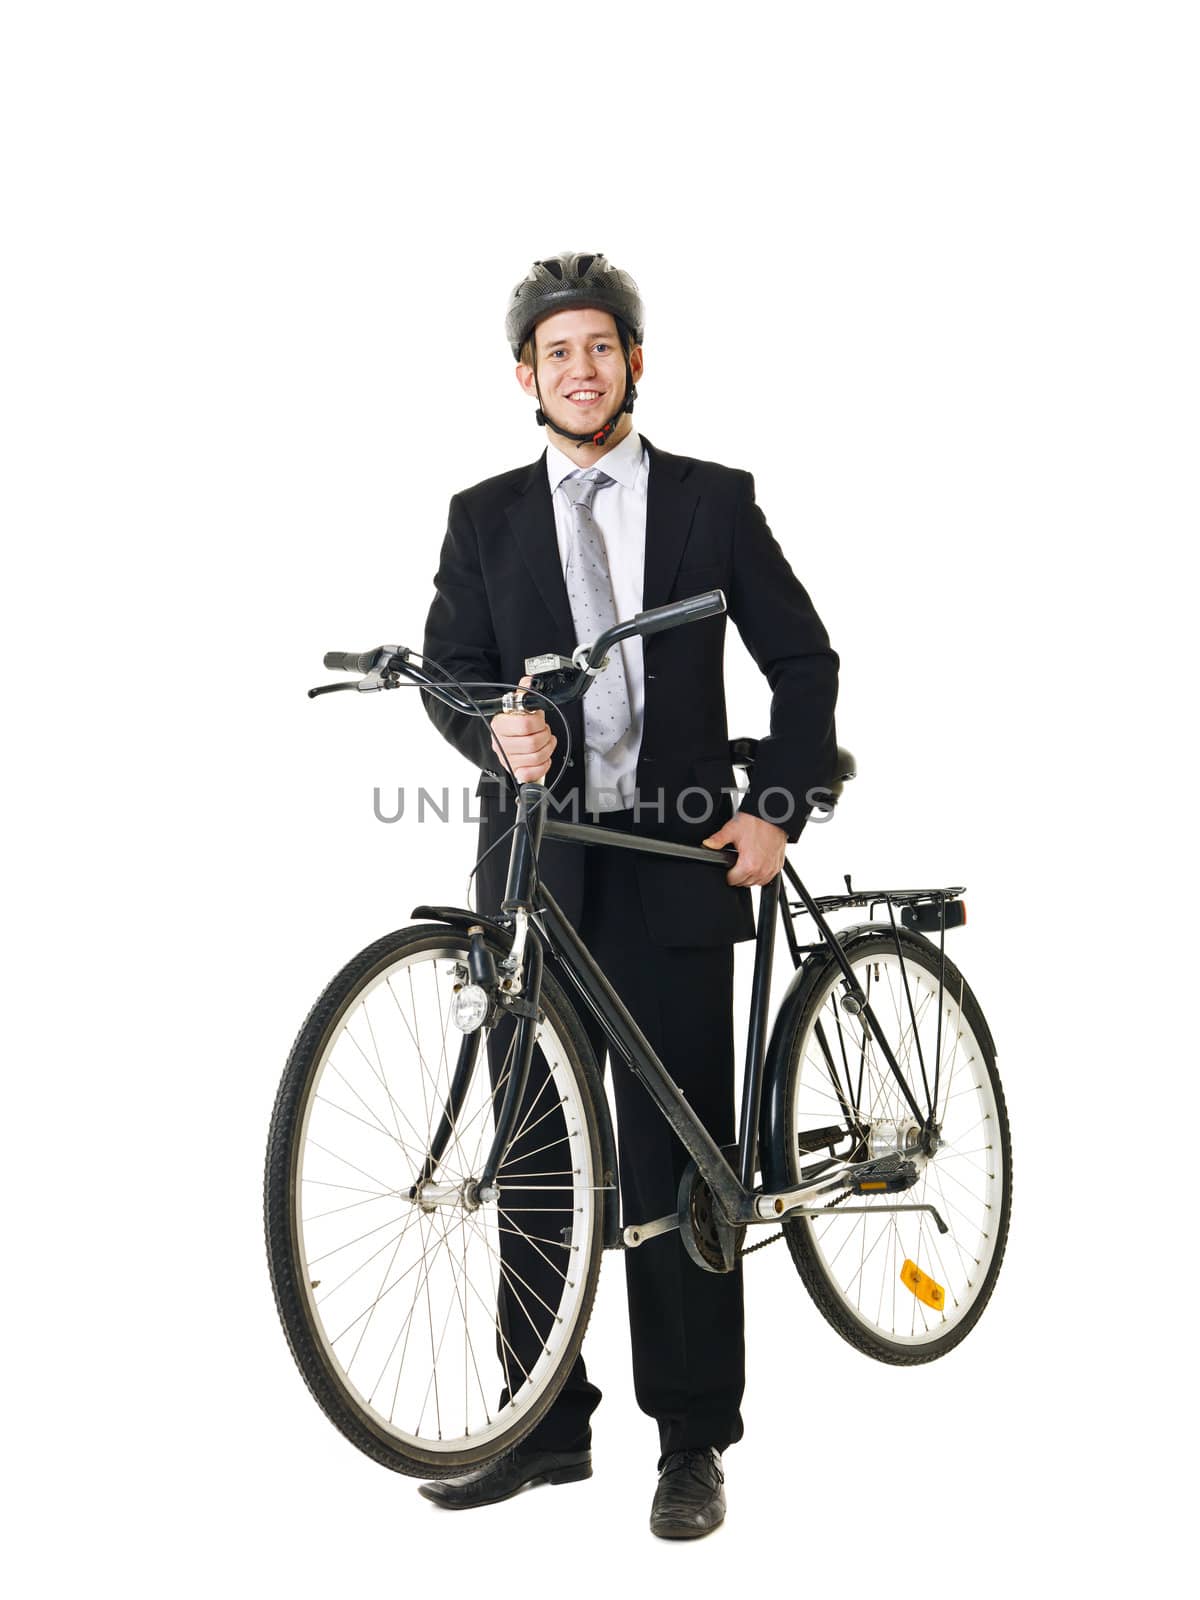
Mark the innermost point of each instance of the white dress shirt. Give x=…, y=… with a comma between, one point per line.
x=619, y=512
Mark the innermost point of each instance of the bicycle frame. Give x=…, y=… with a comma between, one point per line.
x=730, y=1185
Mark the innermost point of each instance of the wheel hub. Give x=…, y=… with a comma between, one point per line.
x=893, y=1138
x=905, y=1138
x=432, y=1196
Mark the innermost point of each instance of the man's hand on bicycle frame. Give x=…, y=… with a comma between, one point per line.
x=760, y=846
x=524, y=740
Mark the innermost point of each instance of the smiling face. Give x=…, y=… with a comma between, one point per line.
x=581, y=373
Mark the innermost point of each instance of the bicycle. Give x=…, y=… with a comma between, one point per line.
x=883, y=1152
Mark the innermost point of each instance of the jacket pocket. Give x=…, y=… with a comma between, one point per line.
x=692, y=580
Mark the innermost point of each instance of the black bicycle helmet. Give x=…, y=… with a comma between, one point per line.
x=575, y=278
x=572, y=279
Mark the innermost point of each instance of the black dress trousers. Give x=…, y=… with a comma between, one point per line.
x=686, y=1324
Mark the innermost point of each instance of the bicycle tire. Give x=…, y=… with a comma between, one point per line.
x=294, y=1291
x=870, y=946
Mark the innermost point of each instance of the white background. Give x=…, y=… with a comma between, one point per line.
x=929, y=271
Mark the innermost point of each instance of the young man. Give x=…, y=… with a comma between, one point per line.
x=539, y=560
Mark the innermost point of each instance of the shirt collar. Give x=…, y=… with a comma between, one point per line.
x=622, y=463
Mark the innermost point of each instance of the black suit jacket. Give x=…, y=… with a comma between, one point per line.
x=500, y=597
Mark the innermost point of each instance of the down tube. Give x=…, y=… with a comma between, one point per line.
x=645, y=1065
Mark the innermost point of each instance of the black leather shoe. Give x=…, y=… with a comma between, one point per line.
x=507, y=1476
x=689, y=1500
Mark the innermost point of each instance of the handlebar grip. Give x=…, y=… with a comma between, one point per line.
x=350, y=661
x=709, y=604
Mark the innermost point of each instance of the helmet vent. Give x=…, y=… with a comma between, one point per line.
x=585, y=265
x=554, y=265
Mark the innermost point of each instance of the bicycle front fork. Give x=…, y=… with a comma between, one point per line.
x=514, y=987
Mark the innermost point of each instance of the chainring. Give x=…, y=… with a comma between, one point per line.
x=709, y=1240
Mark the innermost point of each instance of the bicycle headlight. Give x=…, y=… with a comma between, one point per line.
x=470, y=1007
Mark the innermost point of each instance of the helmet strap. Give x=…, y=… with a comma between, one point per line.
x=600, y=435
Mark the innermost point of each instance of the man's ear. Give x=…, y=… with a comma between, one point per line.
x=636, y=364
x=525, y=377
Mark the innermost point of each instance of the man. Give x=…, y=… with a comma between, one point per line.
x=539, y=560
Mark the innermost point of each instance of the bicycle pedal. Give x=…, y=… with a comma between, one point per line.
x=888, y=1175
x=926, y=1289
x=813, y=1139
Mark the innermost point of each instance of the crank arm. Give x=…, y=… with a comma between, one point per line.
x=638, y=1232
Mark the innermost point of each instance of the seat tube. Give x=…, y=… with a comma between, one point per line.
x=764, y=951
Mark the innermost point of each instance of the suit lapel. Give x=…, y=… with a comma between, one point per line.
x=670, y=506
x=532, y=520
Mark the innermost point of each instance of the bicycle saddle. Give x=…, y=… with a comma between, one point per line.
x=742, y=751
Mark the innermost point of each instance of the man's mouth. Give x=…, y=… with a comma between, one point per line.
x=584, y=397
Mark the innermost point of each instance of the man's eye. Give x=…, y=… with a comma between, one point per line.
x=604, y=347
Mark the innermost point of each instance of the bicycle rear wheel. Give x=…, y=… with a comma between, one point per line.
x=841, y=1095
x=433, y=1330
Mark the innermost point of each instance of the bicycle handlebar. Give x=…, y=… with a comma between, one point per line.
x=709, y=604
x=384, y=666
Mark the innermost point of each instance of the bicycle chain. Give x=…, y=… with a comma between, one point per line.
x=748, y=1250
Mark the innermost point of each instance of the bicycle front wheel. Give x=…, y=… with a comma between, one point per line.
x=434, y=1330
x=841, y=1096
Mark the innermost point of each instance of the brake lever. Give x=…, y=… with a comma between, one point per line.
x=329, y=688
x=378, y=678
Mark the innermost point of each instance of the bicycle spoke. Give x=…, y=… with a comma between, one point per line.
x=352, y=1205
x=419, y=1262
x=468, y=1347
x=425, y=1262
x=525, y=1124
x=376, y=1120
x=414, y=1035
x=329, y=1293
x=361, y=1171
x=337, y=1249
x=362, y=1334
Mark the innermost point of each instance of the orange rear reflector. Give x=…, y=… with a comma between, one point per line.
x=923, y=1286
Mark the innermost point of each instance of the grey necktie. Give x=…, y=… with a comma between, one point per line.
x=607, y=713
